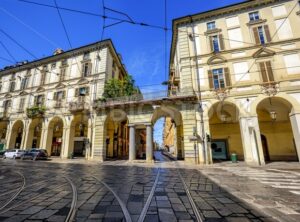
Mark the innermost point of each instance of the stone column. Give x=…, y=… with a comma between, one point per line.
x=65, y=142
x=90, y=138
x=175, y=141
x=149, y=143
x=132, y=148
x=8, y=136
x=295, y=122
x=252, y=146
x=25, y=135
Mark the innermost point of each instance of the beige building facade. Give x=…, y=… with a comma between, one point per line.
x=245, y=61
x=48, y=103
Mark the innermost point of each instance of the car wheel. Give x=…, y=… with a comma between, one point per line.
x=34, y=158
x=4, y=157
x=22, y=157
x=14, y=157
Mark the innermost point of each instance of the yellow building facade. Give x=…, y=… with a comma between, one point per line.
x=243, y=63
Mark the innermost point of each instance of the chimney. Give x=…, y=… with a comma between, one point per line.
x=58, y=51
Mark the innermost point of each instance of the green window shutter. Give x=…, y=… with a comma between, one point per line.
x=87, y=90
x=77, y=92
x=211, y=43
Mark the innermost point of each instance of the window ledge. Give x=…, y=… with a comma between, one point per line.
x=208, y=32
x=260, y=21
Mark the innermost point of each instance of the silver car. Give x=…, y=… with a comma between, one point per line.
x=13, y=154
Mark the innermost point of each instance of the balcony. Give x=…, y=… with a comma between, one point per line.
x=35, y=112
x=58, y=104
x=79, y=105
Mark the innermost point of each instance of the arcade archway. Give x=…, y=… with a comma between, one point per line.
x=276, y=131
x=55, y=136
x=16, y=137
x=225, y=131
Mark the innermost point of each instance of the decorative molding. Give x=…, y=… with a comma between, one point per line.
x=82, y=81
x=212, y=31
x=23, y=93
x=263, y=52
x=256, y=22
x=40, y=89
x=60, y=85
x=7, y=96
x=216, y=60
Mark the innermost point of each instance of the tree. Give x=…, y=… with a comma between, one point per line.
x=114, y=88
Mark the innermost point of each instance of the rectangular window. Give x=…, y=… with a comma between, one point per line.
x=62, y=74
x=12, y=86
x=39, y=100
x=211, y=25
x=86, y=69
x=261, y=34
x=218, y=78
x=292, y=63
x=86, y=56
x=254, y=16
x=60, y=95
x=53, y=65
x=22, y=104
x=215, y=43
x=64, y=62
x=82, y=91
x=7, y=105
x=266, y=72
x=24, y=83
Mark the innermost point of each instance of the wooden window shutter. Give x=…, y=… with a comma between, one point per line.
x=256, y=36
x=43, y=100
x=87, y=90
x=263, y=72
x=221, y=40
x=267, y=32
x=55, y=96
x=90, y=69
x=211, y=43
x=35, y=100
x=64, y=95
x=210, y=79
x=227, y=77
x=270, y=71
x=77, y=92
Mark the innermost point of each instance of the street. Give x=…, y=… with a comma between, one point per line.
x=46, y=191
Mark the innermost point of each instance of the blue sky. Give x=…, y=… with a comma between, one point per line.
x=143, y=49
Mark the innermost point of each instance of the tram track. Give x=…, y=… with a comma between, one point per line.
x=197, y=213
x=20, y=203
x=16, y=194
x=122, y=204
x=71, y=215
x=148, y=202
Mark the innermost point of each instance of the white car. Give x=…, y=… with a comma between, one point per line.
x=15, y=153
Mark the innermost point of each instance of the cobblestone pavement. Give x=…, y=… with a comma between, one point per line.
x=53, y=191
x=274, y=188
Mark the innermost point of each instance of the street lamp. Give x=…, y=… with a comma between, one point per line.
x=273, y=115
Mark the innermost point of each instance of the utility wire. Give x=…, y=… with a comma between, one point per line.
x=130, y=21
x=7, y=51
x=265, y=46
x=7, y=60
x=63, y=24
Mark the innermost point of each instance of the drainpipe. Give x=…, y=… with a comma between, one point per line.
x=204, y=151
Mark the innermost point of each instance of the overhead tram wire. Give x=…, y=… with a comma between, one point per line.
x=265, y=46
x=7, y=60
x=8, y=52
x=130, y=21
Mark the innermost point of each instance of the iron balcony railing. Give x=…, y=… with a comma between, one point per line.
x=78, y=105
x=144, y=97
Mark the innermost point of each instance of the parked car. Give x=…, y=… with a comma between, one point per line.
x=14, y=153
x=35, y=154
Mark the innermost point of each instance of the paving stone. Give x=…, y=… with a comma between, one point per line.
x=166, y=215
x=151, y=218
x=163, y=204
x=32, y=210
x=43, y=214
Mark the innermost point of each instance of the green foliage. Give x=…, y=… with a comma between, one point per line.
x=35, y=111
x=119, y=88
